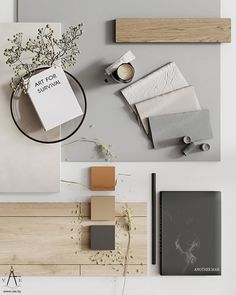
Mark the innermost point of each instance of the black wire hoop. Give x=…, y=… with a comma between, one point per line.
x=66, y=137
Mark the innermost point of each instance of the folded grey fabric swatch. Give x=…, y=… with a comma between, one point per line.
x=167, y=130
x=181, y=100
x=166, y=79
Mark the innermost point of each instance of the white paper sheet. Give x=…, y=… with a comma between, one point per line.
x=25, y=166
x=165, y=79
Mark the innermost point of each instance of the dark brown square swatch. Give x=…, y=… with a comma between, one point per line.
x=102, y=237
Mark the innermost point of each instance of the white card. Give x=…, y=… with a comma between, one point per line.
x=53, y=98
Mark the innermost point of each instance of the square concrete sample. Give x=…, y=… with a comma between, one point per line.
x=167, y=130
x=102, y=178
x=102, y=208
x=102, y=237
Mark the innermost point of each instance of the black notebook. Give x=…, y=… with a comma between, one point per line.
x=190, y=233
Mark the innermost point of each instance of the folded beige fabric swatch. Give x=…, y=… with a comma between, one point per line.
x=166, y=79
x=181, y=100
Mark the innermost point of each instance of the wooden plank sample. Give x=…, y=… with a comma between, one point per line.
x=173, y=30
x=62, y=209
x=42, y=270
x=114, y=270
x=54, y=238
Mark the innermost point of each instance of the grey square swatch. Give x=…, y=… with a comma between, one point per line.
x=163, y=80
x=181, y=100
x=168, y=130
x=102, y=237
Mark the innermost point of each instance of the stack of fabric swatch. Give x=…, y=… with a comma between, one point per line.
x=167, y=107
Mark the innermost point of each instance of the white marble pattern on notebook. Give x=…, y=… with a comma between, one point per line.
x=165, y=79
x=181, y=100
x=25, y=165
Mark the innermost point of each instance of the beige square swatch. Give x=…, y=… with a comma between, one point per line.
x=103, y=208
x=102, y=178
x=181, y=100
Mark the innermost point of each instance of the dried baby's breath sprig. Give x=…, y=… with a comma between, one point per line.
x=103, y=149
x=128, y=215
x=25, y=56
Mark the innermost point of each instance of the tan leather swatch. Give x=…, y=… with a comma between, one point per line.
x=102, y=178
x=103, y=208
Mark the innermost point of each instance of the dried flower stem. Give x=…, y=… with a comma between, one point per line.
x=129, y=227
x=74, y=182
x=102, y=148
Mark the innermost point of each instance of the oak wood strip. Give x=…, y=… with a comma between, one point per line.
x=63, y=209
x=74, y=270
x=113, y=270
x=38, y=240
x=41, y=270
x=173, y=30
x=39, y=209
x=138, y=209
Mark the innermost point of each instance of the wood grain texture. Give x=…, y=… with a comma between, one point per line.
x=173, y=30
x=63, y=209
x=53, y=239
x=42, y=270
x=113, y=270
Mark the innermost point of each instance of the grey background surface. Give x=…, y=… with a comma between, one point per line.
x=109, y=119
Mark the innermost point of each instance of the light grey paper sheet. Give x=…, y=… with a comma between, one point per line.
x=168, y=130
x=181, y=100
x=109, y=118
x=25, y=165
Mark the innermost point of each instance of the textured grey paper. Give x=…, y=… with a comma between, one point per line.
x=167, y=130
x=109, y=118
x=178, y=101
x=25, y=165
